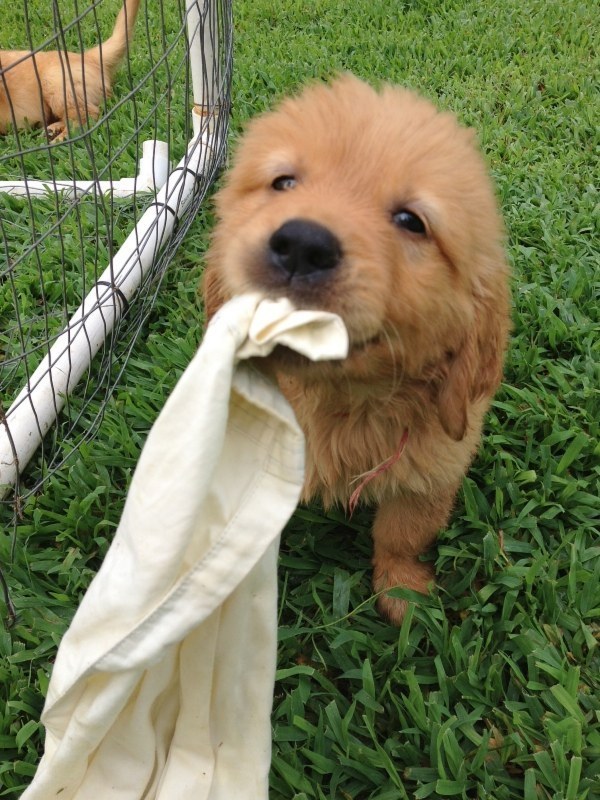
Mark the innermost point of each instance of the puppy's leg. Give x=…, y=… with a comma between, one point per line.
x=59, y=130
x=405, y=526
x=75, y=103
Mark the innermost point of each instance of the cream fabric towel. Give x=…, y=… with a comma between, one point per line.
x=163, y=684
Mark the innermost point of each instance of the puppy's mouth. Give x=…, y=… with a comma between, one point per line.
x=304, y=261
x=285, y=359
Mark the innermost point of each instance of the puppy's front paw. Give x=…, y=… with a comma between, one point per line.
x=391, y=572
x=57, y=131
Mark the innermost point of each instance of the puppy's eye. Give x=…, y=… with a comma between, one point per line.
x=409, y=221
x=284, y=182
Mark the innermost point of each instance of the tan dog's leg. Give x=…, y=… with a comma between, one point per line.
x=404, y=528
x=58, y=131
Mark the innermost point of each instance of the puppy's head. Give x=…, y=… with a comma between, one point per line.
x=377, y=207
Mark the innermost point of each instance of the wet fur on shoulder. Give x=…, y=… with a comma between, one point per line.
x=49, y=88
x=376, y=206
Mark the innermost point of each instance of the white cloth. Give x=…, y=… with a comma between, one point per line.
x=163, y=684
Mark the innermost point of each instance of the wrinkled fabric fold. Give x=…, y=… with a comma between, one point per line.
x=163, y=684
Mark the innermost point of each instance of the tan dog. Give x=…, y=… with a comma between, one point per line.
x=377, y=207
x=49, y=88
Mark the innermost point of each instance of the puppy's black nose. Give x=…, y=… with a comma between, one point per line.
x=302, y=249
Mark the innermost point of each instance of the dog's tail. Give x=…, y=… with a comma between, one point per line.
x=111, y=52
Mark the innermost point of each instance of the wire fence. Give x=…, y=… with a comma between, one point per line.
x=89, y=222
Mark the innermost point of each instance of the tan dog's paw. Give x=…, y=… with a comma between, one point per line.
x=391, y=572
x=57, y=131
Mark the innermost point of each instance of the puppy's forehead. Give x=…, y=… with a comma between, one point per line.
x=348, y=123
x=281, y=160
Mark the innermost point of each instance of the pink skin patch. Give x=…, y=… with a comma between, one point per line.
x=367, y=477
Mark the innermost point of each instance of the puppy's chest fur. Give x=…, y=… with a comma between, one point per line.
x=398, y=437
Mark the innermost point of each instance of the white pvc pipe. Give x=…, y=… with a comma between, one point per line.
x=152, y=175
x=37, y=406
x=200, y=52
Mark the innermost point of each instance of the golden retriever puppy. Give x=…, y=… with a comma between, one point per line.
x=376, y=206
x=49, y=88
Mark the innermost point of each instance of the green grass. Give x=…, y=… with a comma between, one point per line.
x=491, y=688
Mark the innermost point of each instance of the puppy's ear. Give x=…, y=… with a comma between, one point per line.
x=453, y=395
x=475, y=370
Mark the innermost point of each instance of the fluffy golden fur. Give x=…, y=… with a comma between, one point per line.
x=412, y=260
x=49, y=88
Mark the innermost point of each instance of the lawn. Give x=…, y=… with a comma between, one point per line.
x=491, y=687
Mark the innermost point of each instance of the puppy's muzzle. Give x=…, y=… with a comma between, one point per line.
x=303, y=250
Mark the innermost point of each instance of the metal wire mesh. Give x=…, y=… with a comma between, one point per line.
x=54, y=246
